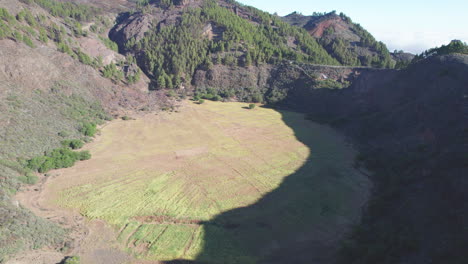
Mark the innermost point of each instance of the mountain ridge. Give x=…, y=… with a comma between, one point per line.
x=347, y=41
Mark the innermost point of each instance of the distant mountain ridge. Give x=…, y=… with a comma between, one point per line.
x=345, y=40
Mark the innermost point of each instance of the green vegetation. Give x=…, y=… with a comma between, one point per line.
x=56, y=159
x=251, y=106
x=5, y=15
x=209, y=94
x=88, y=129
x=330, y=84
x=29, y=178
x=42, y=29
x=112, y=72
x=201, y=101
x=73, y=143
x=455, y=46
x=28, y=41
x=72, y=260
x=40, y=120
x=173, y=52
x=347, y=54
x=168, y=209
x=78, y=12
x=109, y=43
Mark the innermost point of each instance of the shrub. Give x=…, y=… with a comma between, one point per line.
x=88, y=129
x=28, y=41
x=64, y=134
x=126, y=118
x=57, y=159
x=251, y=106
x=109, y=43
x=112, y=72
x=29, y=178
x=84, y=155
x=73, y=143
x=4, y=15
x=72, y=260
x=201, y=101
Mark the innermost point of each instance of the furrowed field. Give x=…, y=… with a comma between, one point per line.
x=161, y=180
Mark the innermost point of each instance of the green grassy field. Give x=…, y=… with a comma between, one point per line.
x=160, y=180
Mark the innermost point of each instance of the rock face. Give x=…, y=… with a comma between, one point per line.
x=226, y=77
x=132, y=26
x=318, y=25
x=96, y=48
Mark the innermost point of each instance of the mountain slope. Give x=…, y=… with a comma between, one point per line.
x=345, y=40
x=47, y=93
x=411, y=127
x=171, y=40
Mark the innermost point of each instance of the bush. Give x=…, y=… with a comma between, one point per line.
x=126, y=118
x=251, y=106
x=73, y=143
x=201, y=101
x=112, y=72
x=84, y=155
x=71, y=260
x=64, y=134
x=88, y=129
x=57, y=159
x=29, y=178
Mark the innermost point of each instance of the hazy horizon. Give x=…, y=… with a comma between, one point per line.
x=412, y=26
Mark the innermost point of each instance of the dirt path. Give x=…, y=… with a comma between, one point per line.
x=93, y=241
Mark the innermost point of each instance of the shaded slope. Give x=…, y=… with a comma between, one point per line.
x=411, y=127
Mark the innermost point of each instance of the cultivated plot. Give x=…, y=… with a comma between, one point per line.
x=168, y=183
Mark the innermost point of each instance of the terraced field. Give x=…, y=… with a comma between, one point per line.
x=170, y=183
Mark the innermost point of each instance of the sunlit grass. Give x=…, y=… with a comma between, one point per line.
x=188, y=168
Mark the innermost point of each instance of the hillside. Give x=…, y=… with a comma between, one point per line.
x=67, y=68
x=49, y=89
x=346, y=41
x=411, y=129
x=182, y=36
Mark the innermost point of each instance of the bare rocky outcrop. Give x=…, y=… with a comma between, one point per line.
x=131, y=27
x=221, y=76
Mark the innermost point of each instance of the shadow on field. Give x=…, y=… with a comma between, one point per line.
x=303, y=220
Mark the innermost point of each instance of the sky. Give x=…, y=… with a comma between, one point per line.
x=409, y=25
